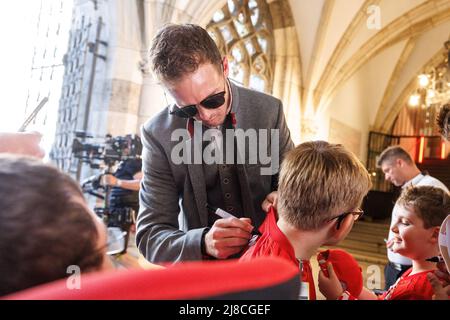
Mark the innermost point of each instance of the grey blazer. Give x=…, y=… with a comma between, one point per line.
x=172, y=215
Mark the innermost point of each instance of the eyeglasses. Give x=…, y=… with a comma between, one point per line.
x=356, y=215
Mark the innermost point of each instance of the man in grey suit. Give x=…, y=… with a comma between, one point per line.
x=241, y=130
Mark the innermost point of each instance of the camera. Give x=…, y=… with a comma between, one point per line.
x=110, y=151
x=104, y=155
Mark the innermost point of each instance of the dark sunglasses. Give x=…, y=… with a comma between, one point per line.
x=211, y=102
x=356, y=215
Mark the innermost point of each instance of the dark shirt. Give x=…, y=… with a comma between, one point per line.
x=121, y=197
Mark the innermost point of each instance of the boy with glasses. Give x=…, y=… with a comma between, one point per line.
x=421, y=211
x=321, y=188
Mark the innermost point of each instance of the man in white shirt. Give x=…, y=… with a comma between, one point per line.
x=399, y=168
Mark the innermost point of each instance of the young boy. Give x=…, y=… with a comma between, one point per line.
x=416, y=233
x=320, y=189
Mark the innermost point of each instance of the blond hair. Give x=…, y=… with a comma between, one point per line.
x=319, y=180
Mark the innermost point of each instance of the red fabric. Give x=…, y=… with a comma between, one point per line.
x=190, y=126
x=233, y=119
x=407, y=287
x=415, y=287
x=274, y=243
x=346, y=267
x=194, y=280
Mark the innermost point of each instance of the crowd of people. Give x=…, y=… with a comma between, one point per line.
x=313, y=200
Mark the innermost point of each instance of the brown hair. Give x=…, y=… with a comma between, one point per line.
x=179, y=49
x=43, y=228
x=392, y=153
x=443, y=121
x=431, y=204
x=318, y=180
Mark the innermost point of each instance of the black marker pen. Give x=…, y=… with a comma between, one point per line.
x=225, y=215
x=436, y=259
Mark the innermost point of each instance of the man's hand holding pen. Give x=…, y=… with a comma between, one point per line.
x=227, y=237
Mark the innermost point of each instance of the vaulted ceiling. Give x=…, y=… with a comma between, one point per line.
x=348, y=66
x=339, y=38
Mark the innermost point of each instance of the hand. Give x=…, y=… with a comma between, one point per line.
x=443, y=272
x=441, y=288
x=109, y=180
x=22, y=143
x=227, y=237
x=271, y=200
x=330, y=287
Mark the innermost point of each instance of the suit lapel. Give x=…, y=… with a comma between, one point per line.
x=197, y=179
x=247, y=200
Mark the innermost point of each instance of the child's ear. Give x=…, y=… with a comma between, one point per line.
x=435, y=234
x=344, y=229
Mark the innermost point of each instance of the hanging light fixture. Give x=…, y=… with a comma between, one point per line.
x=433, y=85
x=414, y=100
x=424, y=81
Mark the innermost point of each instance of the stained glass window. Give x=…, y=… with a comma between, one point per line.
x=243, y=31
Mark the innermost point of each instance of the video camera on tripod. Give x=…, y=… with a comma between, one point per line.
x=105, y=155
x=112, y=150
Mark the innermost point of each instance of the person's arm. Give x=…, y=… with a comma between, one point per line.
x=158, y=236
x=135, y=184
x=366, y=294
x=330, y=286
x=22, y=143
x=332, y=289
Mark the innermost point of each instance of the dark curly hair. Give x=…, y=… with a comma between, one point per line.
x=179, y=49
x=443, y=121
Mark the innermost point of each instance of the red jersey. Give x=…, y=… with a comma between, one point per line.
x=415, y=287
x=273, y=242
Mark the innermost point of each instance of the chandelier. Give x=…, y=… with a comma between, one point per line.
x=434, y=84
